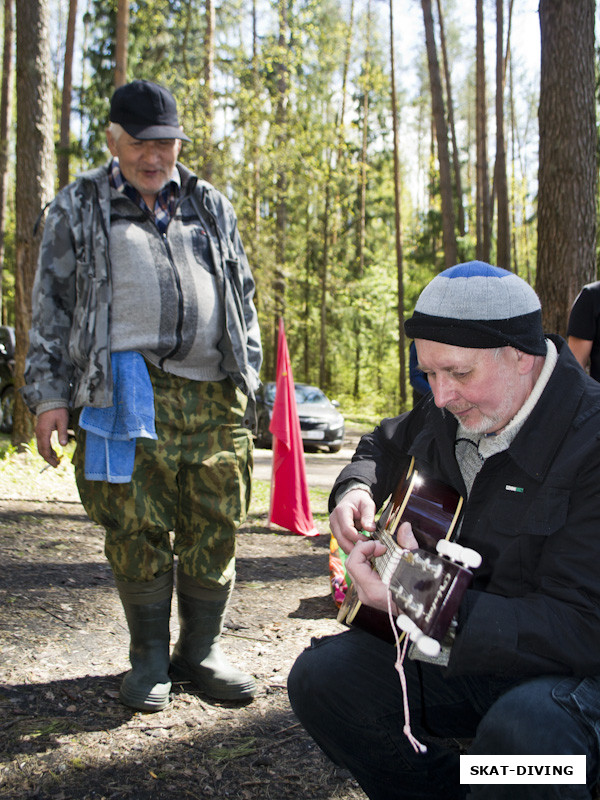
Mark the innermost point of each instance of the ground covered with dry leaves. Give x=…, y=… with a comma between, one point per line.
x=63, y=733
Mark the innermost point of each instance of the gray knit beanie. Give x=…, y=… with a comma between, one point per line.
x=478, y=305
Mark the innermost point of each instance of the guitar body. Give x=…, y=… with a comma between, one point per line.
x=426, y=586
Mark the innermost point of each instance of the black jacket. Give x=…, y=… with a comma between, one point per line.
x=534, y=605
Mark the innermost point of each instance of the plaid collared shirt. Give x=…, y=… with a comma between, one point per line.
x=166, y=199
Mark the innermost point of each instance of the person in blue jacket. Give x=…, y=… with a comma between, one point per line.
x=418, y=380
x=511, y=424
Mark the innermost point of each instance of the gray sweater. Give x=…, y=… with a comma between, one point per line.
x=71, y=340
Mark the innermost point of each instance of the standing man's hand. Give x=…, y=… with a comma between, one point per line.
x=57, y=419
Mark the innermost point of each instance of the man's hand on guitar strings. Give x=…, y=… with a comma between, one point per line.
x=353, y=514
x=371, y=590
x=405, y=537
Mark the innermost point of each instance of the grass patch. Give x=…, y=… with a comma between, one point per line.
x=245, y=747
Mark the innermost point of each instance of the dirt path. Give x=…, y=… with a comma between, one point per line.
x=63, y=733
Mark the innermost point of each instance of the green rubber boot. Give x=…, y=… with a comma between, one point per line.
x=197, y=657
x=147, y=607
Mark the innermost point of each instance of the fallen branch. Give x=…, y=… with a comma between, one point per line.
x=58, y=617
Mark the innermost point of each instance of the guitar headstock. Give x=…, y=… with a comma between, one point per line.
x=428, y=588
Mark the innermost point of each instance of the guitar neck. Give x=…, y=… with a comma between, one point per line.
x=386, y=563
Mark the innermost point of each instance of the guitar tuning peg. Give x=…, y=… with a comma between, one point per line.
x=428, y=646
x=461, y=555
x=470, y=558
x=448, y=549
x=406, y=624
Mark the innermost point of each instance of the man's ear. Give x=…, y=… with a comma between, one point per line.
x=525, y=362
x=112, y=143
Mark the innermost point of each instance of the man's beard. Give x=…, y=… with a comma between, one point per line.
x=485, y=424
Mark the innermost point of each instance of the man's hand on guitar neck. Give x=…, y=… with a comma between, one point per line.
x=371, y=590
x=353, y=514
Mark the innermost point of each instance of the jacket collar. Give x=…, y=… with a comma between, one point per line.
x=569, y=398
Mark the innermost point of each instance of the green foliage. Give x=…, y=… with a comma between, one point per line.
x=279, y=141
x=7, y=449
x=94, y=93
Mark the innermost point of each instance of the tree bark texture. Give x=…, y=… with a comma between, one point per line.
x=441, y=129
x=567, y=168
x=34, y=174
x=458, y=190
x=122, y=42
x=397, y=217
x=6, y=91
x=503, y=236
x=281, y=212
x=209, y=91
x=483, y=216
x=65, y=112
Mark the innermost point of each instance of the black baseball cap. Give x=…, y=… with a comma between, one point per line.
x=146, y=111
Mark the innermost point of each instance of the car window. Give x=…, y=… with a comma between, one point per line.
x=309, y=394
x=304, y=394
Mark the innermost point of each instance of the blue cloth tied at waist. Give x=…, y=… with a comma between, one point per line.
x=111, y=432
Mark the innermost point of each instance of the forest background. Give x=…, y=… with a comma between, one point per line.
x=365, y=145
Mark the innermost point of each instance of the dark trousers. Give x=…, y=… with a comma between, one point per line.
x=347, y=694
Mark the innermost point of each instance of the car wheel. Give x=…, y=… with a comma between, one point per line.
x=335, y=448
x=7, y=405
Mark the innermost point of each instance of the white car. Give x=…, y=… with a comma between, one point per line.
x=321, y=423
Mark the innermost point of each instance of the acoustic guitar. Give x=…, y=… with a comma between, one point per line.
x=428, y=583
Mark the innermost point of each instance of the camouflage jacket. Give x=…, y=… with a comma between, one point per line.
x=68, y=363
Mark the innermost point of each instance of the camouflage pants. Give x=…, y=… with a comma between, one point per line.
x=194, y=482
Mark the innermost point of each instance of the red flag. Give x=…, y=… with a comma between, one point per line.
x=290, y=504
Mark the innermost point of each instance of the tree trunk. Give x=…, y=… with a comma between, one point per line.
x=503, y=237
x=332, y=198
x=281, y=211
x=5, y=124
x=441, y=130
x=362, y=213
x=397, y=219
x=362, y=197
x=483, y=216
x=35, y=172
x=209, y=91
x=255, y=133
x=121, y=43
x=568, y=167
x=65, y=112
x=460, y=209
x=340, y=123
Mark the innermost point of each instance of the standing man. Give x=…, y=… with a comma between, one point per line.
x=583, y=331
x=144, y=318
x=512, y=425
